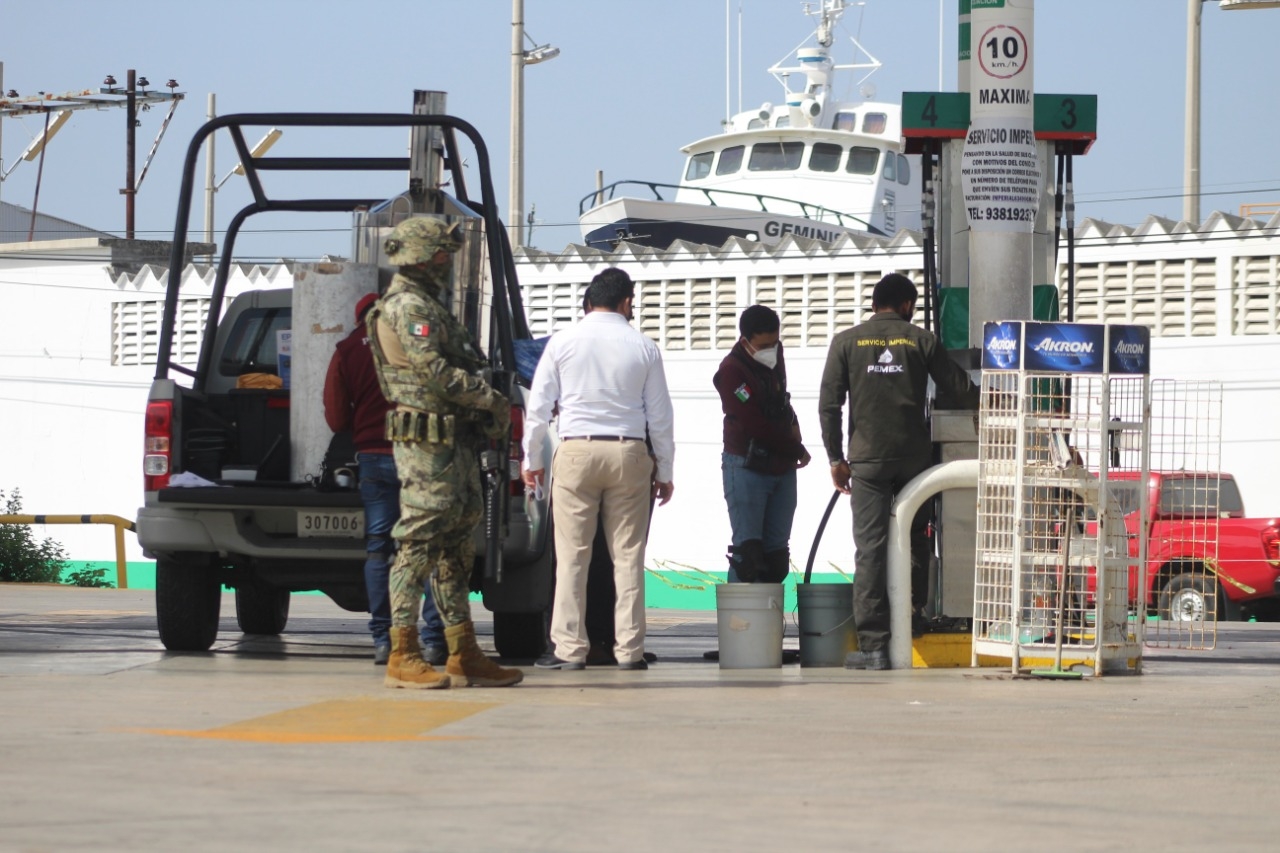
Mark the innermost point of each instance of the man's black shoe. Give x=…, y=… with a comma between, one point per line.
x=550, y=661
x=878, y=659
x=602, y=655
x=635, y=664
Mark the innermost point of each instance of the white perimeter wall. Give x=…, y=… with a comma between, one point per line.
x=694, y=528
x=70, y=420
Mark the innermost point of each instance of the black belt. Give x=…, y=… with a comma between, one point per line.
x=599, y=438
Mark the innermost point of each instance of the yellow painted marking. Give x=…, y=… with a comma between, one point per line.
x=344, y=721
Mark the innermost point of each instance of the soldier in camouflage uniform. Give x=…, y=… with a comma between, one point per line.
x=444, y=411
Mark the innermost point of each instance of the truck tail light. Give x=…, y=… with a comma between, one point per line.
x=516, y=455
x=1271, y=545
x=158, y=445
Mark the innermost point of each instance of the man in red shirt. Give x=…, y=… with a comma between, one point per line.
x=353, y=401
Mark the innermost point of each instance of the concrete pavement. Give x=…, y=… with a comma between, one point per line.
x=109, y=743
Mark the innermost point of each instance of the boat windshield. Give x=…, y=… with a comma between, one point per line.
x=787, y=157
x=730, y=160
x=863, y=161
x=775, y=156
x=825, y=157
x=847, y=122
x=874, y=122
x=699, y=166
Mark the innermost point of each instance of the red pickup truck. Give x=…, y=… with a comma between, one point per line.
x=1187, y=512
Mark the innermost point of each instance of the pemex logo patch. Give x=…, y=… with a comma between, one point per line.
x=884, y=364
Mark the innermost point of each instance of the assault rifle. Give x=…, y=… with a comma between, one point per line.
x=494, y=474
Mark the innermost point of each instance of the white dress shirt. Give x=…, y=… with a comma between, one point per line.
x=608, y=380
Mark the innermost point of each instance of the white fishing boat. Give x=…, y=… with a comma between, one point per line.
x=813, y=165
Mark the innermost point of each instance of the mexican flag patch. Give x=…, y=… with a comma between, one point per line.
x=743, y=393
x=419, y=330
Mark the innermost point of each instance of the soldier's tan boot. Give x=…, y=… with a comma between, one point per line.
x=406, y=668
x=468, y=666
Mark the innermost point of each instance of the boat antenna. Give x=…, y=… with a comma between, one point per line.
x=829, y=13
x=728, y=53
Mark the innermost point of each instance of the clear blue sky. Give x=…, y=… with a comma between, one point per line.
x=634, y=82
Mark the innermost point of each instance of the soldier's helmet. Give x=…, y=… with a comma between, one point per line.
x=416, y=240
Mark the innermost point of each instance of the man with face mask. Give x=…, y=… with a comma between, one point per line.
x=762, y=450
x=883, y=367
x=444, y=411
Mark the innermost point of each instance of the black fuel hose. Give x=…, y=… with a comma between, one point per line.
x=817, y=537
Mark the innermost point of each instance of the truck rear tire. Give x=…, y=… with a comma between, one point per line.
x=262, y=608
x=519, y=636
x=188, y=602
x=1186, y=598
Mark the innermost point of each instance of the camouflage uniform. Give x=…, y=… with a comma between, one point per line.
x=429, y=369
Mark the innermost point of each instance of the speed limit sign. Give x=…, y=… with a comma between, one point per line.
x=1002, y=51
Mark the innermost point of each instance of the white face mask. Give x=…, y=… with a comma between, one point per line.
x=768, y=356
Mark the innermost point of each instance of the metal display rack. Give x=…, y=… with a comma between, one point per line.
x=1065, y=409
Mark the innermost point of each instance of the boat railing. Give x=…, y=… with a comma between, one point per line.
x=808, y=210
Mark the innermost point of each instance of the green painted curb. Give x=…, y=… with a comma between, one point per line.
x=683, y=588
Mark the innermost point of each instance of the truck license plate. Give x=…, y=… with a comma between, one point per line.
x=344, y=523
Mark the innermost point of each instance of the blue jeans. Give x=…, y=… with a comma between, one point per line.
x=761, y=506
x=380, y=492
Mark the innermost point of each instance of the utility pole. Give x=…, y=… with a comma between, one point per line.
x=12, y=105
x=515, y=200
x=209, y=173
x=1, y=130
x=131, y=119
x=1191, y=170
x=519, y=59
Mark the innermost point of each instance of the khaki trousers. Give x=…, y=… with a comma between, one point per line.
x=606, y=483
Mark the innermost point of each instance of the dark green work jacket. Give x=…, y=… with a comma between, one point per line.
x=883, y=367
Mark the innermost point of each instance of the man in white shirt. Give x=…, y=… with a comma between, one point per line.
x=607, y=380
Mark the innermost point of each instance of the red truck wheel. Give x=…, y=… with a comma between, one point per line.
x=1188, y=599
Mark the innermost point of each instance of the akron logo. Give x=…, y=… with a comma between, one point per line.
x=1049, y=346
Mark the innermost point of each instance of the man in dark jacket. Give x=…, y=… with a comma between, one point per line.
x=883, y=367
x=353, y=401
x=762, y=450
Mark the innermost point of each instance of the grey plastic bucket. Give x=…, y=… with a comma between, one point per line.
x=749, y=623
x=826, y=623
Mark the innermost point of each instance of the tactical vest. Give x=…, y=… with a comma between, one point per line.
x=402, y=385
